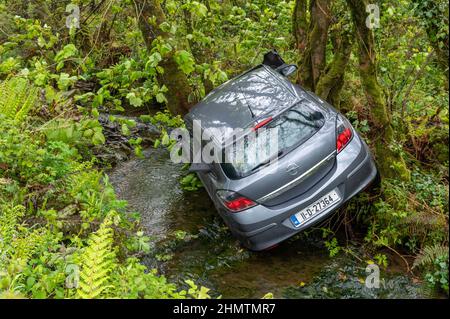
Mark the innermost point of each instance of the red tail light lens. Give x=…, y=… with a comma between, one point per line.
x=343, y=138
x=234, y=201
x=344, y=133
x=239, y=204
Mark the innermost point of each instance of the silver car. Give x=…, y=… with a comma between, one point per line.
x=321, y=163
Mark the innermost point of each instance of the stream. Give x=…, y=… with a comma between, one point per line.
x=192, y=242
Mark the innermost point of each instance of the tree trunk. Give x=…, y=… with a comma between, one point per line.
x=390, y=162
x=173, y=78
x=311, y=43
x=314, y=56
x=300, y=24
x=330, y=84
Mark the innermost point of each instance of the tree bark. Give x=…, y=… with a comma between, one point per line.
x=314, y=56
x=311, y=42
x=391, y=163
x=300, y=24
x=173, y=78
x=330, y=84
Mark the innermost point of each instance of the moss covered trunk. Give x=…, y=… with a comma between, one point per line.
x=390, y=162
x=331, y=82
x=300, y=24
x=173, y=78
x=312, y=22
x=314, y=55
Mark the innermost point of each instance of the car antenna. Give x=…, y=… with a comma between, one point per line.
x=246, y=103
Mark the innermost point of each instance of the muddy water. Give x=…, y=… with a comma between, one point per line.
x=193, y=243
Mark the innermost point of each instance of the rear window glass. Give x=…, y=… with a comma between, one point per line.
x=293, y=127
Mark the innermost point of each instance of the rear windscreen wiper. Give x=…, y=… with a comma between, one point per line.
x=268, y=160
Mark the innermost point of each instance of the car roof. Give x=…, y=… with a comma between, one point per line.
x=243, y=100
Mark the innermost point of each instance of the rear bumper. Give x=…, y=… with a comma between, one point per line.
x=261, y=227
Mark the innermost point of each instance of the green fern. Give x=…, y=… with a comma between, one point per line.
x=17, y=98
x=9, y=218
x=18, y=245
x=28, y=244
x=429, y=254
x=97, y=262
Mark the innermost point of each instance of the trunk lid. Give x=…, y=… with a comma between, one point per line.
x=297, y=171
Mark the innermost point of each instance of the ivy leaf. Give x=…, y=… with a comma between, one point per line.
x=68, y=51
x=98, y=138
x=165, y=139
x=138, y=152
x=221, y=76
x=64, y=81
x=199, y=9
x=59, y=66
x=134, y=100
x=95, y=112
x=98, y=100
x=41, y=41
x=185, y=61
x=165, y=48
x=153, y=60
x=88, y=133
x=161, y=98
x=145, y=118
x=165, y=26
x=203, y=293
x=125, y=130
x=187, y=179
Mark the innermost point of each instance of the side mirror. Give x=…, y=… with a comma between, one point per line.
x=288, y=69
x=200, y=168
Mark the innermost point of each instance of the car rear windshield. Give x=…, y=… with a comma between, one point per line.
x=294, y=127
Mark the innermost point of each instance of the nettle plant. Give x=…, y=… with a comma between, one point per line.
x=49, y=61
x=128, y=83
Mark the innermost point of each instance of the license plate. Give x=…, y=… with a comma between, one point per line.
x=315, y=208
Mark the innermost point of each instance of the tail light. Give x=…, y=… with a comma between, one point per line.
x=344, y=133
x=233, y=201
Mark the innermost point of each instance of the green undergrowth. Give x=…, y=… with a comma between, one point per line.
x=63, y=232
x=56, y=81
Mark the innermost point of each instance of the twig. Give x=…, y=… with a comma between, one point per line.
x=349, y=251
x=411, y=85
x=408, y=269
